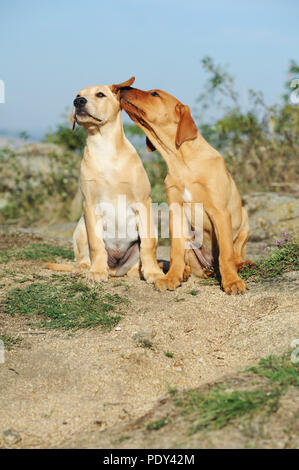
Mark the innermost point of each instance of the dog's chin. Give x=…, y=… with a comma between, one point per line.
x=81, y=116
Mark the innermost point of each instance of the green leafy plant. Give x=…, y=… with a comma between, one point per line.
x=260, y=144
x=285, y=257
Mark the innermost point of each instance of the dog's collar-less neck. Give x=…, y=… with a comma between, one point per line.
x=107, y=136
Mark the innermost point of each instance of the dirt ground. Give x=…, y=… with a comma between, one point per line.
x=95, y=388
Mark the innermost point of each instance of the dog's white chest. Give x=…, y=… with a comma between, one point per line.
x=118, y=223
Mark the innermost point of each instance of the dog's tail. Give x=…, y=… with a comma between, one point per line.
x=60, y=267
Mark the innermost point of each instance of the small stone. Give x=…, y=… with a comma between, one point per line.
x=11, y=437
x=178, y=364
x=101, y=424
x=143, y=336
x=118, y=328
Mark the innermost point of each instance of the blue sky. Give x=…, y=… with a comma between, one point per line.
x=51, y=49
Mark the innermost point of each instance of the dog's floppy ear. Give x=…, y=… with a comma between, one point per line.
x=72, y=120
x=149, y=145
x=116, y=88
x=187, y=129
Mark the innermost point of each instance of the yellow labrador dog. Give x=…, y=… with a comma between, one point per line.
x=115, y=234
x=196, y=174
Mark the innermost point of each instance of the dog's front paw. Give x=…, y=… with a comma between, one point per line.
x=167, y=282
x=97, y=276
x=152, y=276
x=235, y=286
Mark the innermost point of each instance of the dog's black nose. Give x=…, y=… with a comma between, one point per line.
x=80, y=102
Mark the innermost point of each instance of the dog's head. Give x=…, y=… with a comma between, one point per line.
x=162, y=117
x=97, y=105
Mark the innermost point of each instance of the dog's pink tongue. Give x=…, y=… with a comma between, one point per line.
x=204, y=258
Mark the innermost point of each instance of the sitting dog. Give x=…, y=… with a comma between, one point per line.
x=110, y=239
x=196, y=174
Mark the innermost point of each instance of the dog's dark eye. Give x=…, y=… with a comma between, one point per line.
x=100, y=95
x=154, y=93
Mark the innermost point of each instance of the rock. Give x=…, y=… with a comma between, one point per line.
x=178, y=365
x=11, y=437
x=271, y=214
x=143, y=336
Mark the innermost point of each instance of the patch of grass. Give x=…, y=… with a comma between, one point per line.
x=172, y=391
x=145, y=343
x=193, y=292
x=22, y=280
x=65, y=303
x=123, y=284
x=122, y=439
x=218, y=407
x=282, y=259
x=42, y=251
x=168, y=354
x=179, y=299
x=278, y=369
x=10, y=341
x=156, y=425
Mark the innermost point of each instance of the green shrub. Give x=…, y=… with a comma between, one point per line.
x=260, y=144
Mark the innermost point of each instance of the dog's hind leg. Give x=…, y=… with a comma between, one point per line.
x=81, y=251
x=135, y=271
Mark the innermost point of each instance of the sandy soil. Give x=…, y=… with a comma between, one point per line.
x=89, y=388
